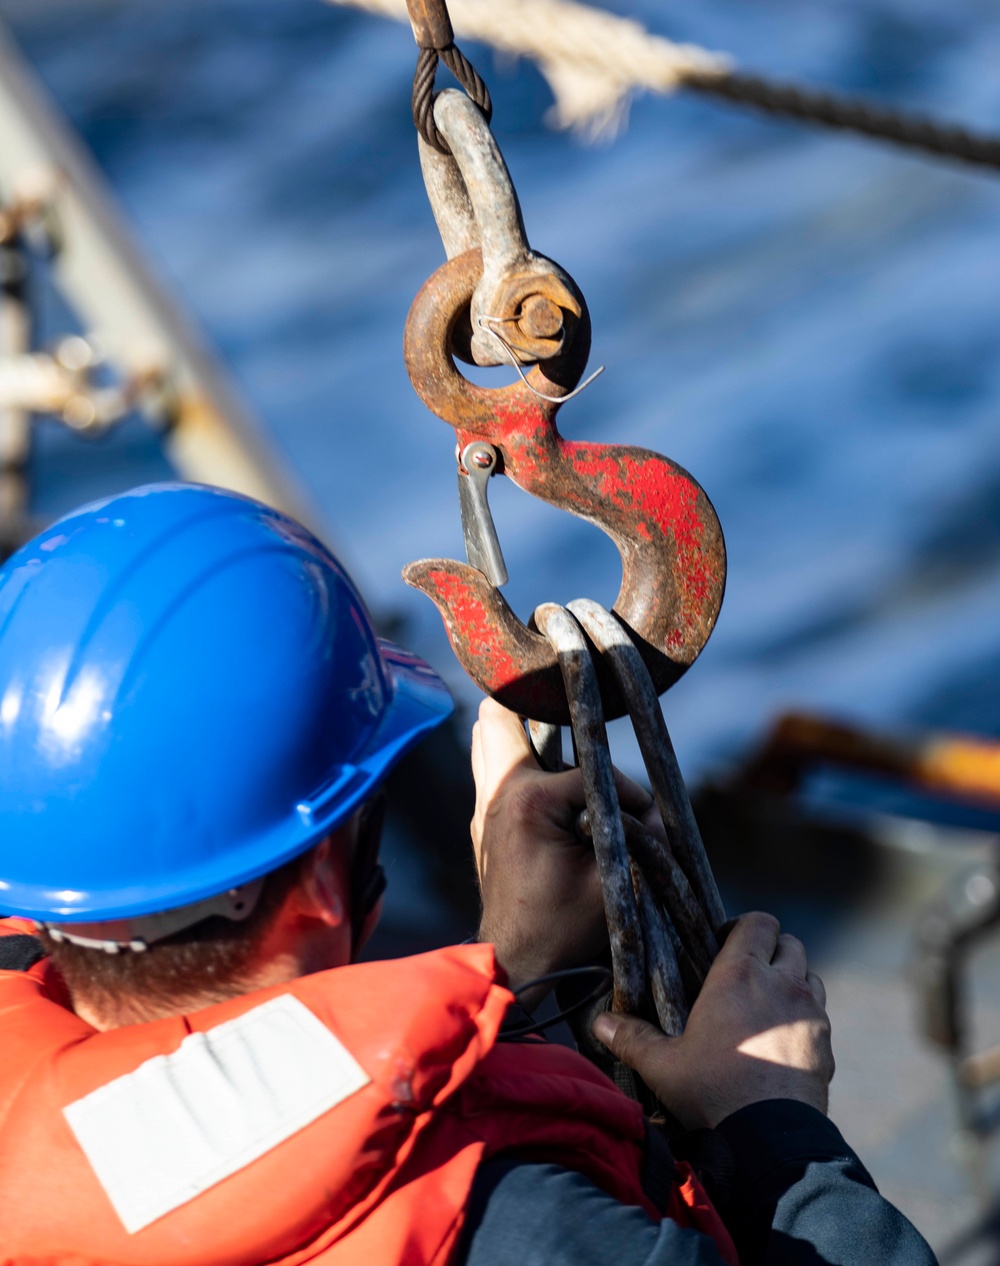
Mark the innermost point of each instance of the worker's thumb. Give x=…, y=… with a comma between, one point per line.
x=642, y=1046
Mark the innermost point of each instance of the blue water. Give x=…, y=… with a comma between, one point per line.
x=809, y=323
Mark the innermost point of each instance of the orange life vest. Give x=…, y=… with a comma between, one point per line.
x=337, y=1120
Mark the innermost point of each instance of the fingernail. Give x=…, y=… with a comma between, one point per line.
x=605, y=1027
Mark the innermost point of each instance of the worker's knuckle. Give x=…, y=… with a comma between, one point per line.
x=798, y=992
x=740, y=974
x=763, y=921
x=495, y=821
x=530, y=801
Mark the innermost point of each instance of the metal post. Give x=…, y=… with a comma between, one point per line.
x=120, y=302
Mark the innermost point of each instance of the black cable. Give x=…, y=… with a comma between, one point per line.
x=850, y=114
x=604, y=984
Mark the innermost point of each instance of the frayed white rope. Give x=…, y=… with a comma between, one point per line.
x=592, y=60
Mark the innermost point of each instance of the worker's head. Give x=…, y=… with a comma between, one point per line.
x=195, y=721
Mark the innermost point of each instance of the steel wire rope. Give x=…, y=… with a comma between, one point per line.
x=423, y=90
x=593, y=60
x=851, y=114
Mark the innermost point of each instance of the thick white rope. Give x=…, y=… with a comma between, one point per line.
x=593, y=60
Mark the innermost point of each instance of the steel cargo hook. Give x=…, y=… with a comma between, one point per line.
x=665, y=528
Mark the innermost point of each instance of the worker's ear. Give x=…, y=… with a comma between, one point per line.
x=324, y=878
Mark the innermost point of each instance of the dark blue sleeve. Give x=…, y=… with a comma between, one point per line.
x=540, y=1215
x=799, y=1196
x=796, y=1196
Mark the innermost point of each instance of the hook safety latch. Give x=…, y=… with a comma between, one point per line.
x=477, y=462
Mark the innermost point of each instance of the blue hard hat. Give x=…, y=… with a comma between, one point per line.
x=191, y=694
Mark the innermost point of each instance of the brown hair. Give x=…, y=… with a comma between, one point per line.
x=204, y=963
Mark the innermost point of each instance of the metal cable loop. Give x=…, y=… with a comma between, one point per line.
x=670, y=888
x=423, y=90
x=662, y=966
x=584, y=694
x=659, y=897
x=423, y=100
x=623, y=658
x=849, y=114
x=469, y=78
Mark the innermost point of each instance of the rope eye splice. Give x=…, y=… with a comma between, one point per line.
x=435, y=38
x=497, y=302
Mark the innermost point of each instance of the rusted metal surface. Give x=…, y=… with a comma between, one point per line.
x=672, y=893
x=520, y=295
x=658, y=755
x=666, y=531
x=431, y=23
x=662, y=937
x=495, y=301
x=663, y=969
x=541, y=318
x=608, y=834
x=546, y=742
x=674, y=886
x=529, y=300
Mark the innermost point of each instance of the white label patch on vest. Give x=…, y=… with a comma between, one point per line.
x=180, y=1123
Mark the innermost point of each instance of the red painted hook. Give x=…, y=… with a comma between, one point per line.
x=667, y=533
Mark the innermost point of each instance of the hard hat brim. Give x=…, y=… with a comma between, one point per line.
x=420, y=702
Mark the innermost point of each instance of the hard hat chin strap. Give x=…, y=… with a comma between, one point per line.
x=137, y=934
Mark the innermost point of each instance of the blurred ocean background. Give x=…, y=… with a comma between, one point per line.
x=808, y=322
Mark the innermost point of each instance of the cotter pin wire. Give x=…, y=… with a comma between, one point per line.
x=486, y=322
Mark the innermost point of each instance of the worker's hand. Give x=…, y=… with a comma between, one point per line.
x=759, y=1030
x=542, y=904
